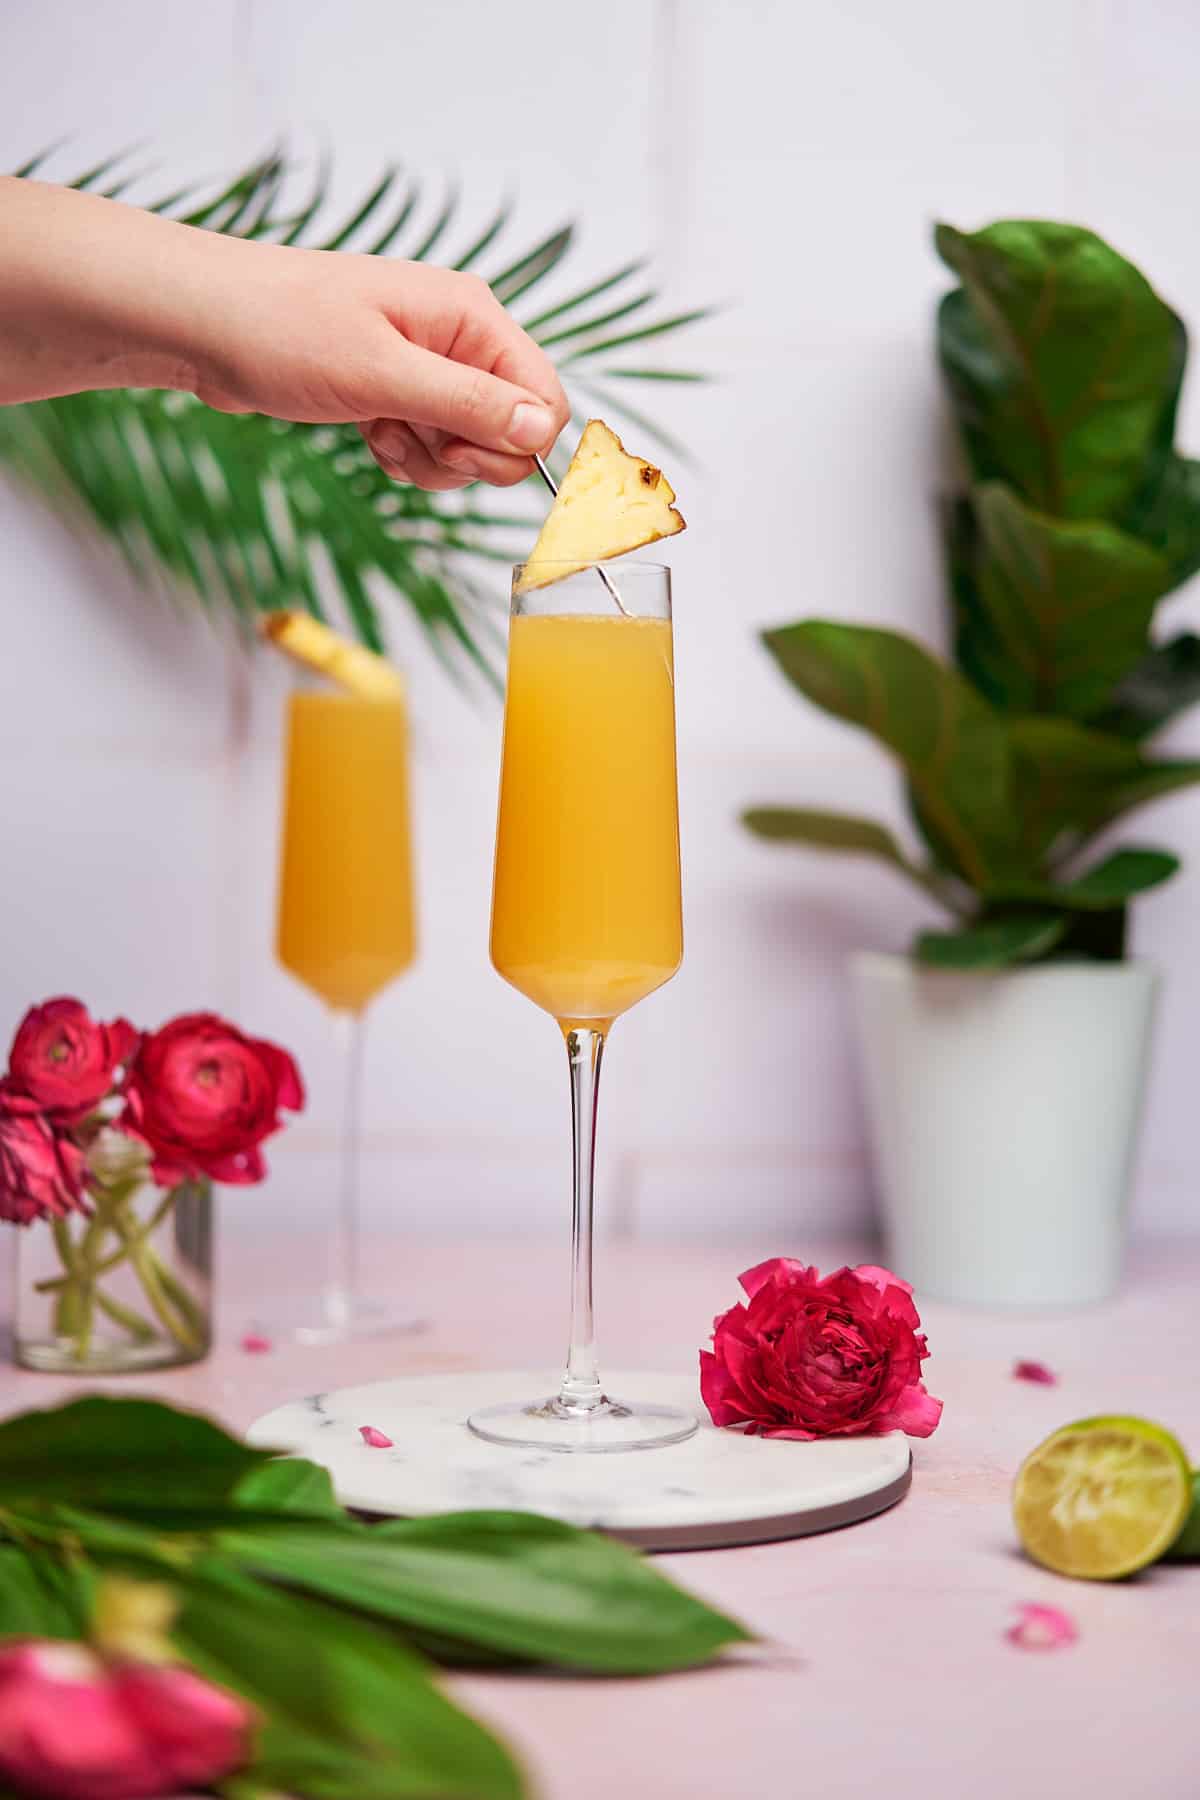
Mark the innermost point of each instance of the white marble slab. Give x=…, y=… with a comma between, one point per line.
x=720, y=1487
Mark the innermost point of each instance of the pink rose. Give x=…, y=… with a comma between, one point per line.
x=63, y=1062
x=810, y=1358
x=203, y=1096
x=41, y=1172
x=74, y=1728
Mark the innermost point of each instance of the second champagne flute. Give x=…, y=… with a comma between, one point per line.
x=345, y=928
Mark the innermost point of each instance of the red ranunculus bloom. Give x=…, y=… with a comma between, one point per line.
x=63, y=1062
x=41, y=1173
x=203, y=1096
x=74, y=1728
x=810, y=1358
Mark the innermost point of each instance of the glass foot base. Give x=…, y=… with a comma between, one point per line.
x=334, y=1318
x=613, y=1425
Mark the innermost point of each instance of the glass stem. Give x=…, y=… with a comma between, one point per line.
x=345, y=1249
x=581, y=1391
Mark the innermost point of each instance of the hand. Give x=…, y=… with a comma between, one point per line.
x=444, y=386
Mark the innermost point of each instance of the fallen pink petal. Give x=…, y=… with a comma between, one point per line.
x=1035, y=1371
x=1042, y=1628
x=378, y=1440
x=254, y=1344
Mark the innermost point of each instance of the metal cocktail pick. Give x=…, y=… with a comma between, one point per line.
x=604, y=575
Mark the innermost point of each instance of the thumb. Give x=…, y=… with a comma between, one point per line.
x=423, y=388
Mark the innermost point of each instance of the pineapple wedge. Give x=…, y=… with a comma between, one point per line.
x=609, y=502
x=314, y=646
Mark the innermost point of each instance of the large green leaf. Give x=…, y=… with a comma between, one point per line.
x=1069, y=782
x=528, y=1587
x=289, y=1485
x=1107, y=885
x=1062, y=361
x=352, y=1712
x=1168, y=517
x=1101, y=888
x=994, y=944
x=1164, y=511
x=950, y=741
x=1069, y=604
x=1163, y=684
x=836, y=831
x=119, y=1454
x=41, y=1595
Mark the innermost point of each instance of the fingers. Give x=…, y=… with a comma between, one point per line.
x=459, y=391
x=458, y=316
x=401, y=454
x=486, y=465
x=427, y=459
x=465, y=402
x=516, y=358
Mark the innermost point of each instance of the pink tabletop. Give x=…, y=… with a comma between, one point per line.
x=887, y=1672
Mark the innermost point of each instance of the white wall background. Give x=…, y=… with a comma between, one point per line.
x=783, y=156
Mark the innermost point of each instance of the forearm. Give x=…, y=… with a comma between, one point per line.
x=96, y=294
x=93, y=294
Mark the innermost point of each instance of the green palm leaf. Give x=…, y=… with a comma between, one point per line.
x=249, y=513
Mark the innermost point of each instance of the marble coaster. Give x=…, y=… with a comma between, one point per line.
x=717, y=1488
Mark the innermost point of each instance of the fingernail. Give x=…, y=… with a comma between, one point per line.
x=530, y=427
x=391, y=445
x=462, y=462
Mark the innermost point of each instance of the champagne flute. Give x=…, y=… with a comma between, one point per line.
x=586, y=913
x=345, y=928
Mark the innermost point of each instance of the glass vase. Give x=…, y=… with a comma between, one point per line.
x=127, y=1288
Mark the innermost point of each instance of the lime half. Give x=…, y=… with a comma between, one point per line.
x=1102, y=1498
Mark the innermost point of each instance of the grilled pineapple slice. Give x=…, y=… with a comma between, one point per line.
x=609, y=502
x=314, y=646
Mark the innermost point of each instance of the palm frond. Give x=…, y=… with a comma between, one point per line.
x=293, y=228
x=396, y=224
x=588, y=293
x=250, y=513
x=486, y=238
x=582, y=326
x=92, y=176
x=362, y=213
x=637, y=336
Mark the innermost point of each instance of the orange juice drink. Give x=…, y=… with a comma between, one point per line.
x=586, y=915
x=346, y=915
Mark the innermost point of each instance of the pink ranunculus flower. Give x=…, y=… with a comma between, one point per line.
x=203, y=1096
x=41, y=1172
x=63, y=1062
x=75, y=1728
x=808, y=1357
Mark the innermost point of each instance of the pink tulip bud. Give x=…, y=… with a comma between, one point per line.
x=75, y=1728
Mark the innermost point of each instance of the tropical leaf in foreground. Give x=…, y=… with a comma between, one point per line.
x=253, y=514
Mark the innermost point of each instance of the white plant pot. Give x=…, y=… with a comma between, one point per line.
x=1004, y=1112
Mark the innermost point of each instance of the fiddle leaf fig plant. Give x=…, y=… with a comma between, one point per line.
x=1064, y=370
